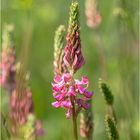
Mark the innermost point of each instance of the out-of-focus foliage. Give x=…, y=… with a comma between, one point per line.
x=116, y=38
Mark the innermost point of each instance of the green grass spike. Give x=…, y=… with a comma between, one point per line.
x=106, y=92
x=111, y=128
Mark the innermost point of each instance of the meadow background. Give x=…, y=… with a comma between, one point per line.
x=110, y=51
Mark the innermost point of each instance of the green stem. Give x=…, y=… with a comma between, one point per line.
x=112, y=112
x=74, y=120
x=74, y=116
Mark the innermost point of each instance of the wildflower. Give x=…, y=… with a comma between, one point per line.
x=93, y=15
x=65, y=86
x=71, y=93
x=8, y=61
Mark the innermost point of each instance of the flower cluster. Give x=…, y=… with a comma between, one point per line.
x=65, y=88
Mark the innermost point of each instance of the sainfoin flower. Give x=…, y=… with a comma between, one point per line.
x=65, y=88
x=71, y=93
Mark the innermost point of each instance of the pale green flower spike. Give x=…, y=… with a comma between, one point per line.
x=59, y=67
x=74, y=18
x=6, y=38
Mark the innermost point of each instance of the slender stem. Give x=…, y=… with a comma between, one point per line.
x=74, y=115
x=74, y=120
x=4, y=125
x=112, y=111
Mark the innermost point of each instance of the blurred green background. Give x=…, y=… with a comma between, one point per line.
x=110, y=51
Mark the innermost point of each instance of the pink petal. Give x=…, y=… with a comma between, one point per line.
x=68, y=113
x=86, y=105
x=58, y=87
x=80, y=63
x=57, y=78
x=39, y=129
x=56, y=104
x=85, y=92
x=66, y=104
x=65, y=61
x=67, y=77
x=88, y=94
x=85, y=80
x=60, y=97
x=75, y=61
x=71, y=91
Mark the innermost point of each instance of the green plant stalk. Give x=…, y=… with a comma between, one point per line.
x=74, y=116
x=74, y=120
x=112, y=112
x=90, y=123
x=4, y=129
